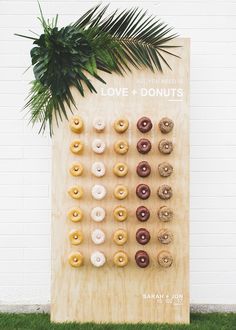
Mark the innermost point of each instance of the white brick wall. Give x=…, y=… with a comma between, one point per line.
x=25, y=156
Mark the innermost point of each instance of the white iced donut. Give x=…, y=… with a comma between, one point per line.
x=98, y=236
x=98, y=214
x=98, y=191
x=97, y=259
x=98, y=146
x=98, y=169
x=99, y=124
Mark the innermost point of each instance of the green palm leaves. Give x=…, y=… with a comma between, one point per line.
x=65, y=57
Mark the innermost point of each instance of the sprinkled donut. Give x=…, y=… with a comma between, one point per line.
x=120, y=236
x=99, y=124
x=165, y=236
x=165, y=213
x=144, y=146
x=165, y=146
x=98, y=169
x=98, y=146
x=98, y=214
x=143, y=191
x=166, y=125
x=144, y=124
x=76, y=124
x=120, y=169
x=120, y=259
x=165, y=192
x=98, y=236
x=76, y=147
x=76, y=237
x=98, y=191
x=76, y=169
x=142, y=213
x=120, y=213
x=165, y=169
x=121, y=192
x=121, y=125
x=76, y=259
x=143, y=169
x=98, y=259
x=75, y=214
x=76, y=192
x=142, y=236
x=142, y=259
x=121, y=147
x=165, y=259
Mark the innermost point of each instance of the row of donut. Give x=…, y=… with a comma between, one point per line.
x=120, y=236
x=120, y=169
x=120, y=214
x=121, y=259
x=121, y=147
x=144, y=125
x=121, y=192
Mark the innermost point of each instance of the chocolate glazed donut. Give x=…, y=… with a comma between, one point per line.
x=144, y=146
x=143, y=169
x=144, y=124
x=143, y=191
x=142, y=213
x=142, y=259
x=142, y=236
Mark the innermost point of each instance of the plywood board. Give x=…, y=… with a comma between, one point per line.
x=129, y=294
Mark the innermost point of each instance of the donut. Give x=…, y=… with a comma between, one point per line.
x=76, y=259
x=75, y=192
x=120, y=259
x=120, y=169
x=143, y=191
x=76, y=237
x=75, y=214
x=166, y=125
x=142, y=213
x=121, y=125
x=165, y=191
x=120, y=213
x=144, y=124
x=99, y=124
x=98, y=169
x=144, y=146
x=98, y=214
x=120, y=236
x=165, y=236
x=98, y=191
x=76, y=169
x=165, y=259
x=143, y=169
x=142, y=236
x=121, y=192
x=76, y=147
x=142, y=258
x=165, y=169
x=97, y=259
x=165, y=213
x=98, y=236
x=98, y=146
x=165, y=146
x=76, y=124
x=121, y=147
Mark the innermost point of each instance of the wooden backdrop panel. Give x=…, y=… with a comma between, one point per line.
x=130, y=294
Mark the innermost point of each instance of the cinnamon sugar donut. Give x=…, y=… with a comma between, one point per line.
x=165, y=192
x=166, y=125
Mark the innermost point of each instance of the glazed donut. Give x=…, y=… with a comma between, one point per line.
x=98, y=169
x=97, y=259
x=98, y=191
x=142, y=213
x=165, y=191
x=142, y=259
x=76, y=259
x=120, y=236
x=143, y=191
x=99, y=124
x=121, y=192
x=120, y=213
x=165, y=259
x=76, y=147
x=165, y=236
x=166, y=125
x=165, y=169
x=144, y=124
x=98, y=236
x=98, y=214
x=142, y=236
x=98, y=146
x=76, y=124
x=165, y=214
x=76, y=237
x=121, y=147
x=75, y=214
x=76, y=169
x=76, y=192
x=143, y=169
x=120, y=259
x=144, y=146
x=165, y=146
x=120, y=169
x=121, y=125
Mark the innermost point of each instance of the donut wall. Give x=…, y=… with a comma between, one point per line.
x=120, y=201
